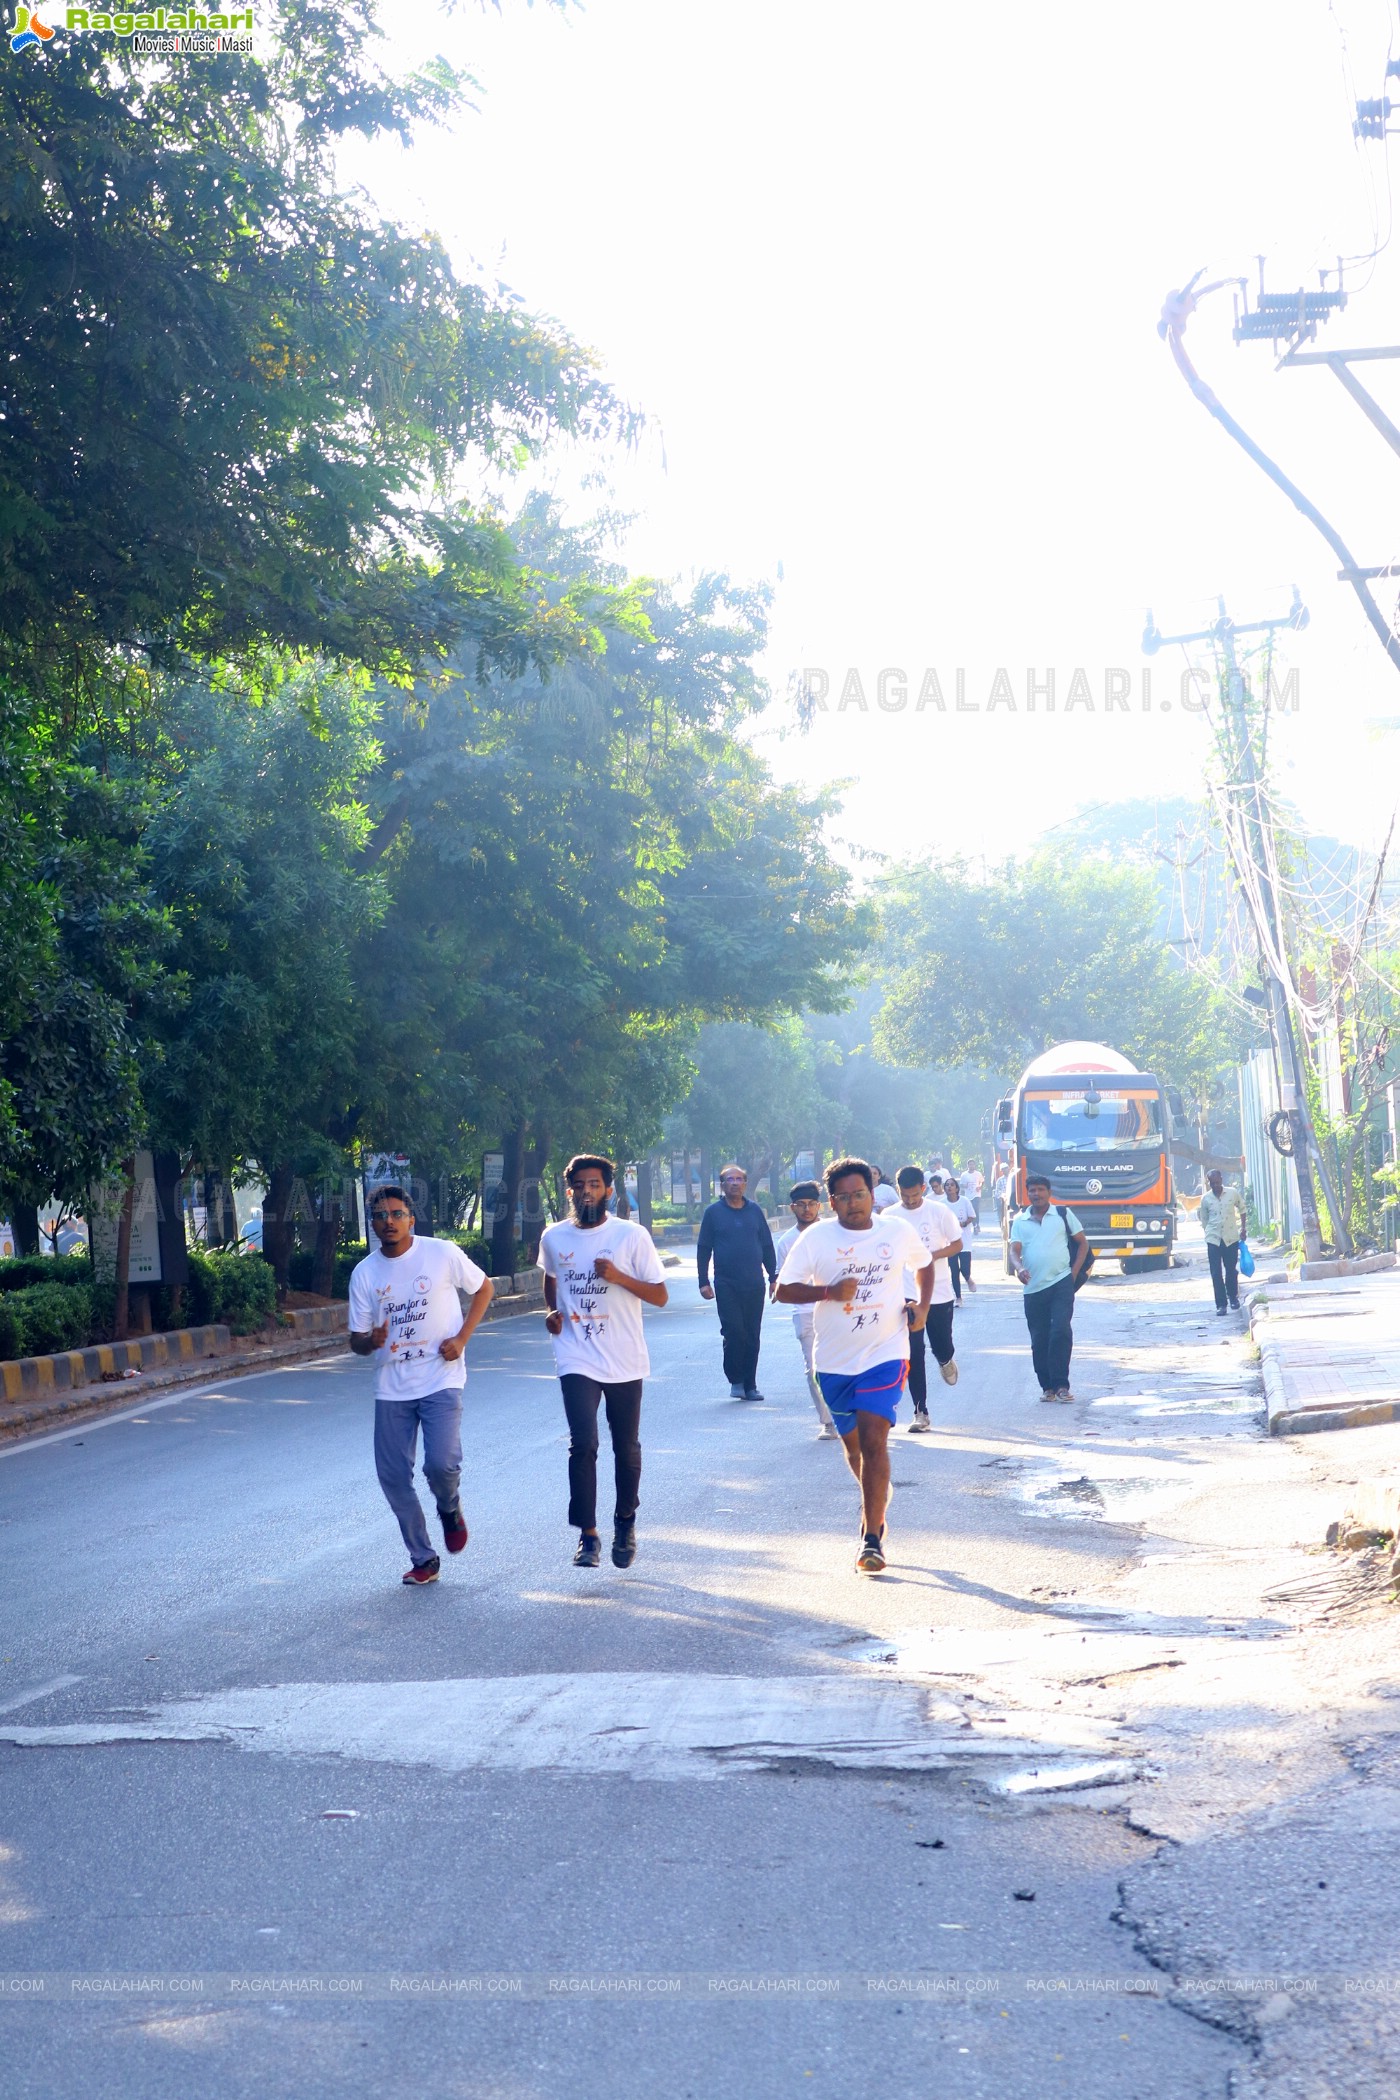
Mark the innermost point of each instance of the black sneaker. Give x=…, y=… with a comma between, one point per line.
x=871, y=1558
x=624, y=1545
x=751, y=1392
x=589, y=1550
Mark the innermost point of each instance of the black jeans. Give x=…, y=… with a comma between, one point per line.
x=624, y=1405
x=1224, y=1273
x=1050, y=1318
x=938, y=1329
x=740, y=1318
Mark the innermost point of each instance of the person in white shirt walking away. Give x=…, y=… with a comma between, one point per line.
x=599, y=1271
x=964, y=1209
x=885, y=1196
x=404, y=1310
x=1224, y=1223
x=851, y=1268
x=938, y=1229
x=805, y=1203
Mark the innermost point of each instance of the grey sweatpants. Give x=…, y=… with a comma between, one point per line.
x=395, y=1446
x=805, y=1342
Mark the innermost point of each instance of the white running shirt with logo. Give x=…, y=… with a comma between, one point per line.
x=871, y=1328
x=416, y=1293
x=602, y=1334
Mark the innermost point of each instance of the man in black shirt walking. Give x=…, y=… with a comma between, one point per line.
x=734, y=1236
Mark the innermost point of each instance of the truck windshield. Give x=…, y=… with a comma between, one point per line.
x=1117, y=1123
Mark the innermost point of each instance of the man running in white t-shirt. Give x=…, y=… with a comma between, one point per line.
x=404, y=1310
x=599, y=1271
x=805, y=1203
x=939, y=1230
x=851, y=1268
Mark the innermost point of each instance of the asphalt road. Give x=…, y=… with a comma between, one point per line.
x=737, y=1821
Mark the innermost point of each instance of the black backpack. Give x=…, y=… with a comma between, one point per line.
x=1083, y=1277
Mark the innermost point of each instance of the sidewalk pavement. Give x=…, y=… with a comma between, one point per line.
x=1329, y=1350
x=48, y=1392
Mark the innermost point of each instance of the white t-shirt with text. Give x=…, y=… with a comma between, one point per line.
x=602, y=1334
x=936, y=1226
x=871, y=1328
x=416, y=1293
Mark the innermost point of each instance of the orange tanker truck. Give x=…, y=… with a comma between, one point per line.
x=1083, y=1115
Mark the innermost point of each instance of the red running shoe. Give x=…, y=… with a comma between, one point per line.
x=454, y=1529
x=426, y=1571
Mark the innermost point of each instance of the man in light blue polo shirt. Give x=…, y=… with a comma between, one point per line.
x=1049, y=1253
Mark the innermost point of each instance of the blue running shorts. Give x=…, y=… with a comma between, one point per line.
x=874, y=1391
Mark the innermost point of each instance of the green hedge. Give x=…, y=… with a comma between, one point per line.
x=239, y=1290
x=18, y=1272
x=44, y=1318
x=37, y=1319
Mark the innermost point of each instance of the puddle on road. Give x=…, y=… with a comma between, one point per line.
x=1102, y=1497
x=1063, y=1779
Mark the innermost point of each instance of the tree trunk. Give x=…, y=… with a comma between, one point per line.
x=707, y=1179
x=623, y=1204
x=279, y=1224
x=503, y=1224
x=330, y=1216
x=121, y=1318
x=689, y=1198
x=24, y=1217
x=644, y=1193
x=536, y=1159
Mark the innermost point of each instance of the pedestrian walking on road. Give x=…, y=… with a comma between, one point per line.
x=945, y=1191
x=885, y=1195
x=1050, y=1249
x=938, y=1229
x=1224, y=1223
x=805, y=1203
x=851, y=1269
x=965, y=1211
x=734, y=1236
x=599, y=1271
x=404, y=1311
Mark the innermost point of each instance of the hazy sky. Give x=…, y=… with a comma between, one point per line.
x=886, y=280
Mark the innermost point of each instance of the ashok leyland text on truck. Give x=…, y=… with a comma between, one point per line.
x=1102, y=1132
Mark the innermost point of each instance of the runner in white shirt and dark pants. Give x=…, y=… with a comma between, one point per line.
x=405, y=1311
x=599, y=1271
x=851, y=1269
x=938, y=1228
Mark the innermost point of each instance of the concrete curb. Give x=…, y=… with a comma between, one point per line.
x=314, y=1328
x=70, y=1369
x=1290, y=1418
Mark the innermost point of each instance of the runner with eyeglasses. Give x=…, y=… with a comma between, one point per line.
x=405, y=1312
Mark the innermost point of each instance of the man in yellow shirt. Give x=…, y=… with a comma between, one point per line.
x=1222, y=1216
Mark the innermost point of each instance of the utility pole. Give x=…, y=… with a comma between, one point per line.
x=1245, y=780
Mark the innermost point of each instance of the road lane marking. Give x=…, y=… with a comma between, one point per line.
x=639, y=1726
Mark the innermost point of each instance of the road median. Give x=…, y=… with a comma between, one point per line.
x=39, y=1393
